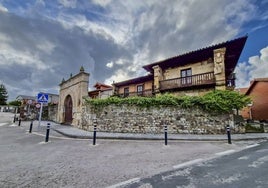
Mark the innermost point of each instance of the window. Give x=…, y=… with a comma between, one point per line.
x=140, y=89
x=186, y=76
x=126, y=92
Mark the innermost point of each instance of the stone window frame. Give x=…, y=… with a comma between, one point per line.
x=186, y=79
x=140, y=92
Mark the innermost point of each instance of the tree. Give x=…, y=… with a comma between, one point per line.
x=3, y=94
x=15, y=103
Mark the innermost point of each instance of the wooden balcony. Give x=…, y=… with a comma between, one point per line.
x=144, y=93
x=189, y=81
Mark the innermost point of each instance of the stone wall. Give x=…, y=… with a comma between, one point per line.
x=132, y=119
x=52, y=112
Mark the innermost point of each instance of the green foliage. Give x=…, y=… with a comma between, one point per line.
x=3, y=94
x=253, y=129
x=15, y=103
x=220, y=101
x=216, y=101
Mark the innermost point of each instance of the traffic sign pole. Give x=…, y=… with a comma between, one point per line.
x=40, y=115
x=41, y=98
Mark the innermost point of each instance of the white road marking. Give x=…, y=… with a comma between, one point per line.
x=125, y=183
x=243, y=158
x=64, y=138
x=188, y=163
x=251, y=146
x=2, y=124
x=44, y=142
x=225, y=152
x=259, y=162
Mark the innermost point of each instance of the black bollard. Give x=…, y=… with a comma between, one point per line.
x=228, y=134
x=14, y=120
x=31, y=127
x=47, y=135
x=19, y=122
x=165, y=130
x=95, y=130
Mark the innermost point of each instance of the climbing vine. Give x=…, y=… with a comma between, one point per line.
x=217, y=101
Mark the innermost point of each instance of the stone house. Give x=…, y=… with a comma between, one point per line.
x=258, y=92
x=192, y=73
x=101, y=91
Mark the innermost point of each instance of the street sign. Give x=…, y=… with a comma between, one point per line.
x=29, y=102
x=42, y=97
x=38, y=105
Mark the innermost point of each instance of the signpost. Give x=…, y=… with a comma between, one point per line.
x=41, y=98
x=29, y=102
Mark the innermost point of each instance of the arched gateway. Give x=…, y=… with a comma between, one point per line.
x=68, y=106
x=72, y=92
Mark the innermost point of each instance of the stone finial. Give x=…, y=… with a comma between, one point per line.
x=82, y=69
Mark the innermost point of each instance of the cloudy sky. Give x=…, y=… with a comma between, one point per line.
x=44, y=41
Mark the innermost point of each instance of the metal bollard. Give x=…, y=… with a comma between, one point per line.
x=14, y=120
x=228, y=134
x=165, y=130
x=47, y=135
x=19, y=122
x=31, y=127
x=95, y=130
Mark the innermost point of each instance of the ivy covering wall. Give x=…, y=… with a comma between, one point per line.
x=216, y=102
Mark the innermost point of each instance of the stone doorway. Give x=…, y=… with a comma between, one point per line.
x=68, y=106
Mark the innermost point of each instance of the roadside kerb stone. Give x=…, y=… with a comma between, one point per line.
x=78, y=133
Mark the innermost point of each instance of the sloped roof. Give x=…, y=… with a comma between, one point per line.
x=253, y=83
x=104, y=88
x=233, y=51
x=135, y=80
x=101, y=84
x=22, y=97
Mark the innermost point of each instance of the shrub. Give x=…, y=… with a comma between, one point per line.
x=217, y=101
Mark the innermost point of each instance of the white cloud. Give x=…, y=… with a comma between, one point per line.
x=15, y=57
x=68, y=3
x=110, y=65
x=45, y=46
x=120, y=75
x=102, y=3
x=105, y=29
x=3, y=9
x=115, y=38
x=256, y=67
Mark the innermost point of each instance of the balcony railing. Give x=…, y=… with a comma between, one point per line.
x=144, y=93
x=189, y=81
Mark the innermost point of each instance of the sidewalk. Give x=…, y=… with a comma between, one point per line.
x=73, y=132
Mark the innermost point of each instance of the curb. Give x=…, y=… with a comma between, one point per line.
x=155, y=138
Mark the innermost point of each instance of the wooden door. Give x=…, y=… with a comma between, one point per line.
x=68, y=105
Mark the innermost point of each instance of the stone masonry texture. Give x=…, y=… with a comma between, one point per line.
x=133, y=119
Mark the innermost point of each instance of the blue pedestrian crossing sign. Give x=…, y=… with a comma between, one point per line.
x=42, y=97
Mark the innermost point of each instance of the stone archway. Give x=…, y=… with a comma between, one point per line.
x=68, y=106
x=71, y=96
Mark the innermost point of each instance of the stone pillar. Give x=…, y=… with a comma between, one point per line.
x=219, y=68
x=158, y=76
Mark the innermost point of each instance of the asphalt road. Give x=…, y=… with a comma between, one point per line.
x=247, y=169
x=27, y=161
